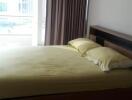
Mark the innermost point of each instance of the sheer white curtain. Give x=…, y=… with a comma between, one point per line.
x=41, y=21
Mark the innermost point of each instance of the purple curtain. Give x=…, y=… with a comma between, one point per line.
x=66, y=20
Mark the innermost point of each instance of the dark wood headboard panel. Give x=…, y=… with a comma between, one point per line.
x=116, y=40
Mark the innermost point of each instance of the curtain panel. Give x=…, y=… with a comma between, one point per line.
x=66, y=20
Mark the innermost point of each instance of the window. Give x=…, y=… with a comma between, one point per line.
x=16, y=22
x=3, y=6
x=22, y=22
x=25, y=6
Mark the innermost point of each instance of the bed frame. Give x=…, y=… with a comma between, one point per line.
x=106, y=37
x=113, y=39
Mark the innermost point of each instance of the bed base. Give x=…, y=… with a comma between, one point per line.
x=114, y=94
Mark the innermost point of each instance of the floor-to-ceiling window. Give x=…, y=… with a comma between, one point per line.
x=16, y=22
x=20, y=22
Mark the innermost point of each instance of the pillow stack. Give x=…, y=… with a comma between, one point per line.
x=106, y=58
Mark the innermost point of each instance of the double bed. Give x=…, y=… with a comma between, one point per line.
x=59, y=71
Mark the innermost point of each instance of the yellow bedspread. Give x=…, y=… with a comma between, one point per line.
x=53, y=69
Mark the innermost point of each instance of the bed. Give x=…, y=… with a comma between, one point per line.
x=59, y=72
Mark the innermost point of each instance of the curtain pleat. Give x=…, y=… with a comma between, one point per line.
x=66, y=20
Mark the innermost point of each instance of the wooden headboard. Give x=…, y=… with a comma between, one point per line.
x=116, y=40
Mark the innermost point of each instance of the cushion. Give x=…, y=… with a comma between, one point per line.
x=107, y=58
x=83, y=45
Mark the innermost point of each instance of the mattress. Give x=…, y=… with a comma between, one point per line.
x=54, y=69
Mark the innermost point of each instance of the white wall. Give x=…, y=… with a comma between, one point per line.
x=113, y=14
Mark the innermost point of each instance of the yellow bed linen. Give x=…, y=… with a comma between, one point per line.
x=53, y=69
